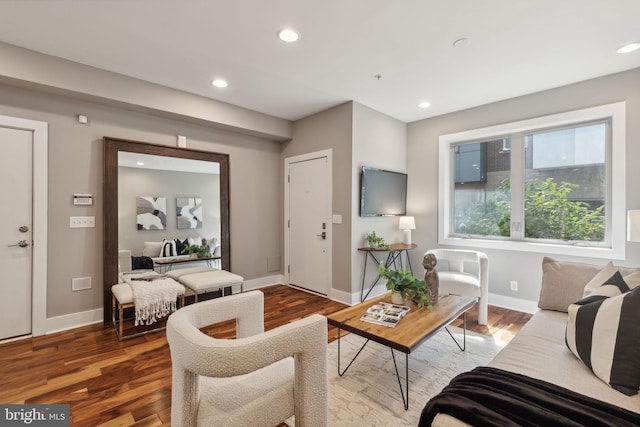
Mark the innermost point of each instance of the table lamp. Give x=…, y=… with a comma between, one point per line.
x=633, y=226
x=408, y=223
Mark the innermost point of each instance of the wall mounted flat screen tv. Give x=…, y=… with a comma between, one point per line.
x=382, y=192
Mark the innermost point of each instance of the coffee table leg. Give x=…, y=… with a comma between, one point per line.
x=464, y=333
x=405, y=401
x=354, y=357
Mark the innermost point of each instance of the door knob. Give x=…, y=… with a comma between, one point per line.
x=23, y=229
x=323, y=235
x=21, y=243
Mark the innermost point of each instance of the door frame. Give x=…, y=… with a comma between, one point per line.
x=301, y=158
x=40, y=132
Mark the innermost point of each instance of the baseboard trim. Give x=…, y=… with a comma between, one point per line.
x=261, y=282
x=74, y=320
x=353, y=298
x=511, y=303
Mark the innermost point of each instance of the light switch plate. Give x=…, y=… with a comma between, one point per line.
x=82, y=222
x=336, y=219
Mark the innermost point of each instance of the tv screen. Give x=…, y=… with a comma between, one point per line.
x=382, y=193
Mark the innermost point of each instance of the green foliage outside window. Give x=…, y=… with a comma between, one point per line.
x=549, y=214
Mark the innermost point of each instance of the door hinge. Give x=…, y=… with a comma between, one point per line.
x=288, y=269
x=288, y=223
x=289, y=179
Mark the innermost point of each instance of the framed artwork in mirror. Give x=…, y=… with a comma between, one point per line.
x=151, y=213
x=189, y=212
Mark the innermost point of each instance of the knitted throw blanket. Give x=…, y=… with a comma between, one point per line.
x=154, y=296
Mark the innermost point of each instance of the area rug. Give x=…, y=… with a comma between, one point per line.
x=368, y=394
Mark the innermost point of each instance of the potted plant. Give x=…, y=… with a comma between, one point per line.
x=197, y=251
x=408, y=287
x=376, y=241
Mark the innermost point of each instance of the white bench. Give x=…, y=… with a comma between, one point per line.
x=121, y=298
x=202, y=279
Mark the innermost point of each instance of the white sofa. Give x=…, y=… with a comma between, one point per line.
x=539, y=350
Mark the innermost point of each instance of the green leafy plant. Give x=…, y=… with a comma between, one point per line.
x=549, y=214
x=407, y=285
x=201, y=251
x=376, y=241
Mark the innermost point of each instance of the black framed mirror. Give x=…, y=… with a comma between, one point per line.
x=112, y=147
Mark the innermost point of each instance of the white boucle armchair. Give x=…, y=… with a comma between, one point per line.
x=258, y=379
x=464, y=272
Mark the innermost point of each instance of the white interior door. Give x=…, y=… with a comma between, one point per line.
x=16, y=231
x=309, y=228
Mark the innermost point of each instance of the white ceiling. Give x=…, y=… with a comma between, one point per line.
x=514, y=47
x=175, y=164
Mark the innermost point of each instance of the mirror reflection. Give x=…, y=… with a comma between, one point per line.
x=167, y=199
x=157, y=193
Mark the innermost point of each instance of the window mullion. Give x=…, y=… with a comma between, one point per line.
x=517, y=186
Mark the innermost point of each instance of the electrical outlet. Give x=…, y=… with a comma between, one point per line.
x=514, y=285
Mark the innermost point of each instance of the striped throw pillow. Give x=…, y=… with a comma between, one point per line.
x=168, y=248
x=602, y=331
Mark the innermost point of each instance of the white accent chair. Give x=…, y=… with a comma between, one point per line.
x=464, y=272
x=258, y=379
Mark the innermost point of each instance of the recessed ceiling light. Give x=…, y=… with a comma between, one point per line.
x=424, y=104
x=219, y=83
x=140, y=163
x=288, y=35
x=629, y=47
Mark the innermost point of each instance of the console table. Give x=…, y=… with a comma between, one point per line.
x=394, y=257
x=167, y=264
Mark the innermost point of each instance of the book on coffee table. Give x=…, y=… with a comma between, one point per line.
x=385, y=314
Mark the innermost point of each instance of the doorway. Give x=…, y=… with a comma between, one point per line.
x=23, y=229
x=308, y=232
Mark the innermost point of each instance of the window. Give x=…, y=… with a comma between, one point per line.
x=553, y=184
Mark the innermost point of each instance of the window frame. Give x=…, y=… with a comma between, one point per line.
x=616, y=190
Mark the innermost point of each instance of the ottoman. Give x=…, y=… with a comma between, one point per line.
x=201, y=280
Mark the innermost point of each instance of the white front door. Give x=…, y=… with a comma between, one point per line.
x=16, y=228
x=309, y=227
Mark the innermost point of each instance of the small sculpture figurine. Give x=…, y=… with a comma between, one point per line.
x=431, y=276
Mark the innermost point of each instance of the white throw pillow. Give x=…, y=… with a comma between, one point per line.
x=152, y=249
x=195, y=241
x=631, y=279
x=597, y=281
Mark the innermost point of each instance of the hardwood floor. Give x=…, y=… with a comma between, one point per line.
x=109, y=382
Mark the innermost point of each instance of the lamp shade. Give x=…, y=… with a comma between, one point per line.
x=633, y=226
x=408, y=223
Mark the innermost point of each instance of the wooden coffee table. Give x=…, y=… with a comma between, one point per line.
x=415, y=328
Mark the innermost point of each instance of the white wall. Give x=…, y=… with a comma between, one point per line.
x=75, y=166
x=331, y=129
x=423, y=167
x=378, y=141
